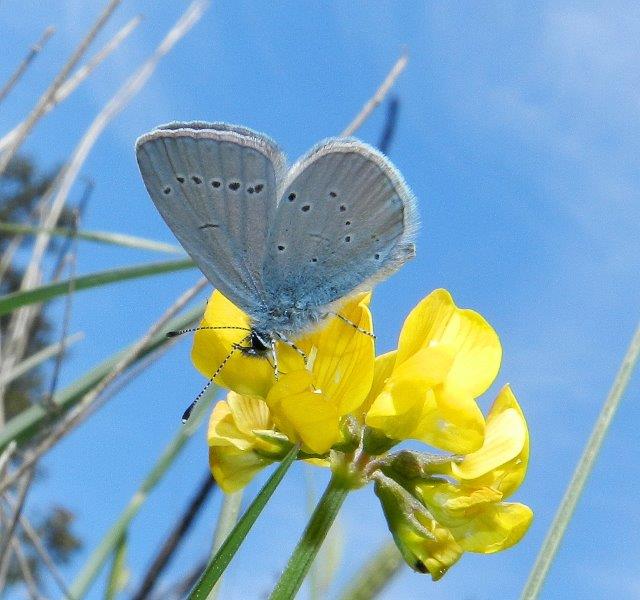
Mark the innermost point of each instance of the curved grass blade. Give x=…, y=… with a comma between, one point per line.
x=11, y=302
x=109, y=542
x=223, y=556
x=28, y=423
x=103, y=237
x=314, y=535
x=118, y=574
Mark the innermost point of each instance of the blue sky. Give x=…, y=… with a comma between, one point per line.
x=519, y=133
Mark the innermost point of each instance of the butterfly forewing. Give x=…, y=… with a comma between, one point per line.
x=345, y=218
x=215, y=186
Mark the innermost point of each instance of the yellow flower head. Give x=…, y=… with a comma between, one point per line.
x=347, y=409
x=446, y=358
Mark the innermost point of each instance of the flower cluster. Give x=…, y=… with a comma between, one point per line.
x=348, y=409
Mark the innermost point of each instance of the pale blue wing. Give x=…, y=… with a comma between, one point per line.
x=345, y=219
x=215, y=186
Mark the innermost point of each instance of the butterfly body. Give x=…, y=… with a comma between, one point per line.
x=286, y=246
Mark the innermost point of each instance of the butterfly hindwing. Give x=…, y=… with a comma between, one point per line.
x=345, y=219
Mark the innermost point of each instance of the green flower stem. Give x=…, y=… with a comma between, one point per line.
x=226, y=522
x=227, y=551
x=113, y=537
x=312, y=538
x=587, y=460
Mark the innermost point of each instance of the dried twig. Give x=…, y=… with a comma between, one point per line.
x=41, y=107
x=389, y=125
x=75, y=79
x=173, y=540
x=39, y=547
x=89, y=402
x=26, y=61
x=25, y=568
x=10, y=527
x=378, y=97
x=22, y=318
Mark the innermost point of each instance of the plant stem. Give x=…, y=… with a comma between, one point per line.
x=312, y=538
x=228, y=549
x=587, y=460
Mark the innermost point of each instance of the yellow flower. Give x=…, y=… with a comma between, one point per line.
x=472, y=507
x=446, y=358
x=307, y=401
x=236, y=453
x=212, y=347
x=425, y=545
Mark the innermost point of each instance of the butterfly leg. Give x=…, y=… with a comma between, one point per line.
x=354, y=325
x=276, y=373
x=289, y=343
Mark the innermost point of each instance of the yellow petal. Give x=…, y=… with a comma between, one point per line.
x=249, y=412
x=314, y=419
x=437, y=321
x=460, y=427
x=477, y=522
x=233, y=468
x=223, y=430
x=382, y=370
x=407, y=394
x=341, y=357
x=502, y=461
x=304, y=413
x=497, y=527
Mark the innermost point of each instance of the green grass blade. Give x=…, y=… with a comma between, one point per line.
x=118, y=574
x=11, y=302
x=102, y=237
x=101, y=554
x=25, y=425
x=41, y=356
x=585, y=465
x=376, y=573
x=227, y=520
x=223, y=557
x=311, y=540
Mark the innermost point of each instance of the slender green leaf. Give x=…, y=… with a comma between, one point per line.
x=376, y=573
x=565, y=511
x=118, y=574
x=10, y=302
x=227, y=551
x=103, y=237
x=227, y=520
x=101, y=554
x=41, y=356
x=311, y=540
x=25, y=425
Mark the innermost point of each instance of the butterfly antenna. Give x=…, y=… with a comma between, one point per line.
x=187, y=413
x=178, y=332
x=354, y=325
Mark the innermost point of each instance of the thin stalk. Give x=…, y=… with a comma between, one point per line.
x=565, y=511
x=26, y=61
x=376, y=573
x=312, y=538
x=227, y=551
x=226, y=522
x=101, y=554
